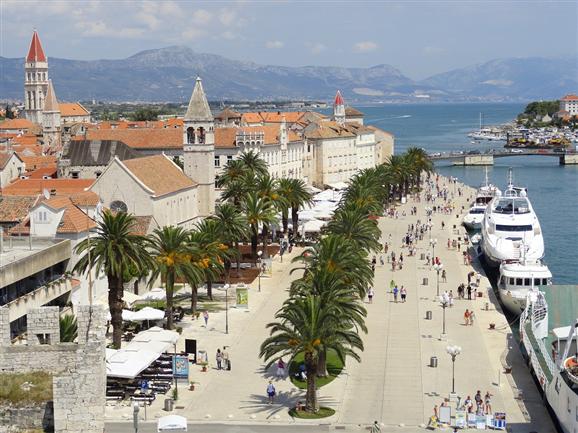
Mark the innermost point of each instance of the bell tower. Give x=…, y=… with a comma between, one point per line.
x=199, y=149
x=339, y=109
x=35, y=80
x=51, y=123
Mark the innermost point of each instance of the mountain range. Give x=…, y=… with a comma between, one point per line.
x=168, y=74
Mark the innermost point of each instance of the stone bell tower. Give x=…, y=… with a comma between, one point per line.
x=51, y=123
x=339, y=109
x=199, y=149
x=35, y=80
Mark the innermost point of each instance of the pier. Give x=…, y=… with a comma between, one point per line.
x=477, y=158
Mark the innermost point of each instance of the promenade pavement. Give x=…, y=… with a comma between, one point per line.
x=394, y=383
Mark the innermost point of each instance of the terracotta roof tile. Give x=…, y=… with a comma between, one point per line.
x=15, y=208
x=140, y=138
x=11, y=124
x=226, y=137
x=227, y=114
x=353, y=112
x=35, y=162
x=74, y=220
x=35, y=52
x=142, y=225
x=570, y=97
x=26, y=139
x=68, y=109
x=39, y=173
x=159, y=174
x=85, y=198
x=37, y=186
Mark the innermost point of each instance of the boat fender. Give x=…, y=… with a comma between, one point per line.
x=541, y=381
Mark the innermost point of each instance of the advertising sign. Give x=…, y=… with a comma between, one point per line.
x=461, y=419
x=242, y=295
x=500, y=420
x=445, y=414
x=181, y=366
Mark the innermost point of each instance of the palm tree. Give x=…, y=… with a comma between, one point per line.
x=419, y=159
x=209, y=239
x=232, y=226
x=258, y=211
x=296, y=194
x=114, y=250
x=68, y=328
x=355, y=226
x=233, y=172
x=253, y=163
x=172, y=255
x=399, y=171
x=307, y=325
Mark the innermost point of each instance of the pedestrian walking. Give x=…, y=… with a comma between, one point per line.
x=488, y=403
x=391, y=285
x=395, y=292
x=219, y=358
x=381, y=261
x=444, y=276
x=451, y=299
x=479, y=402
x=467, y=317
x=375, y=428
x=469, y=290
x=271, y=392
x=469, y=278
x=403, y=293
x=226, y=360
x=280, y=368
x=472, y=318
x=206, y=317
x=370, y=294
x=478, y=279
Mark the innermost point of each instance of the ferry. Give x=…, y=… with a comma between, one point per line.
x=517, y=279
x=550, y=342
x=485, y=194
x=510, y=228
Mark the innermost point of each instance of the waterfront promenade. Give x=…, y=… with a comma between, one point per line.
x=394, y=383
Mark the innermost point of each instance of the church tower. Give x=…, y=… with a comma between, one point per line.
x=339, y=109
x=51, y=122
x=35, y=80
x=199, y=149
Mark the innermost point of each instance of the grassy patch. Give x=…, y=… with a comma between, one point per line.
x=334, y=367
x=323, y=412
x=39, y=391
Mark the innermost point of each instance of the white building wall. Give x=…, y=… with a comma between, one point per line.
x=12, y=170
x=570, y=106
x=177, y=209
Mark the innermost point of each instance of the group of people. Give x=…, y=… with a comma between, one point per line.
x=483, y=405
x=223, y=359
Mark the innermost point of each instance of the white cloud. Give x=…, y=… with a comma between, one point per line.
x=99, y=28
x=227, y=16
x=432, y=51
x=202, y=17
x=192, y=33
x=274, y=44
x=365, y=46
x=315, y=47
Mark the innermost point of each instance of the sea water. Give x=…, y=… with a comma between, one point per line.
x=552, y=189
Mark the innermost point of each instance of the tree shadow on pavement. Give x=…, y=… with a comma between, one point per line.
x=258, y=403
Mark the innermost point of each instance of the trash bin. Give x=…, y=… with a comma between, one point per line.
x=422, y=256
x=433, y=362
x=169, y=404
x=428, y=315
x=425, y=281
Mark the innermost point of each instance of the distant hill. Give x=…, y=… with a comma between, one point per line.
x=168, y=74
x=516, y=78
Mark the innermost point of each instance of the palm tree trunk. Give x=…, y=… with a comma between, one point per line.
x=194, y=296
x=285, y=220
x=311, y=395
x=115, y=306
x=265, y=238
x=210, y=289
x=227, y=265
x=238, y=257
x=295, y=220
x=322, y=364
x=254, y=241
x=170, y=285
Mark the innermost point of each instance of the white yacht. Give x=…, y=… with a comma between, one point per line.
x=485, y=194
x=510, y=228
x=517, y=278
x=550, y=342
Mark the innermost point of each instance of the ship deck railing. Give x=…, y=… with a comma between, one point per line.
x=540, y=352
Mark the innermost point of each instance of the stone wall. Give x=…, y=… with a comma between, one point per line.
x=78, y=369
x=34, y=417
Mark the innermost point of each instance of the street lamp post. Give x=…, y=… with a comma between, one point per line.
x=444, y=302
x=454, y=351
x=433, y=243
x=259, y=254
x=438, y=267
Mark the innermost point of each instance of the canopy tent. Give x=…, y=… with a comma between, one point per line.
x=313, y=226
x=172, y=423
x=128, y=364
x=328, y=195
x=147, y=313
x=128, y=297
x=137, y=355
x=127, y=315
x=338, y=185
x=156, y=294
x=312, y=189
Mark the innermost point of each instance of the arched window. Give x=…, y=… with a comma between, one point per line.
x=201, y=134
x=190, y=135
x=118, y=206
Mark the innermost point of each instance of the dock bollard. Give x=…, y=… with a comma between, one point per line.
x=487, y=306
x=433, y=362
x=428, y=315
x=425, y=281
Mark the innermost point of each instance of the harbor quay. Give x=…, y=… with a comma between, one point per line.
x=397, y=383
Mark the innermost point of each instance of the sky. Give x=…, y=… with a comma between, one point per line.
x=421, y=38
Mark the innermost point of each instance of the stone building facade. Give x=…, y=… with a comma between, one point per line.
x=78, y=369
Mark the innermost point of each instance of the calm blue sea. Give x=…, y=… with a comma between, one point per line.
x=553, y=189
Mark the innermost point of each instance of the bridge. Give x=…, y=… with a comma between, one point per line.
x=474, y=157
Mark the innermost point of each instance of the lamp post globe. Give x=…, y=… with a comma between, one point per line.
x=226, y=289
x=259, y=254
x=453, y=351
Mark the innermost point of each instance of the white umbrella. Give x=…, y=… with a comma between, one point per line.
x=126, y=315
x=157, y=294
x=313, y=226
x=148, y=313
x=172, y=423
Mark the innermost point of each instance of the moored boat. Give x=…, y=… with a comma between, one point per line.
x=517, y=278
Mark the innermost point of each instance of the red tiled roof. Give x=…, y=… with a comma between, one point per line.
x=68, y=109
x=570, y=97
x=140, y=138
x=338, y=99
x=159, y=174
x=35, y=53
x=39, y=173
x=37, y=186
x=5, y=157
x=15, y=208
x=37, y=161
x=11, y=124
x=226, y=137
x=74, y=219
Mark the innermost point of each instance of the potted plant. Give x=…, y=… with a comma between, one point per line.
x=192, y=385
x=203, y=366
